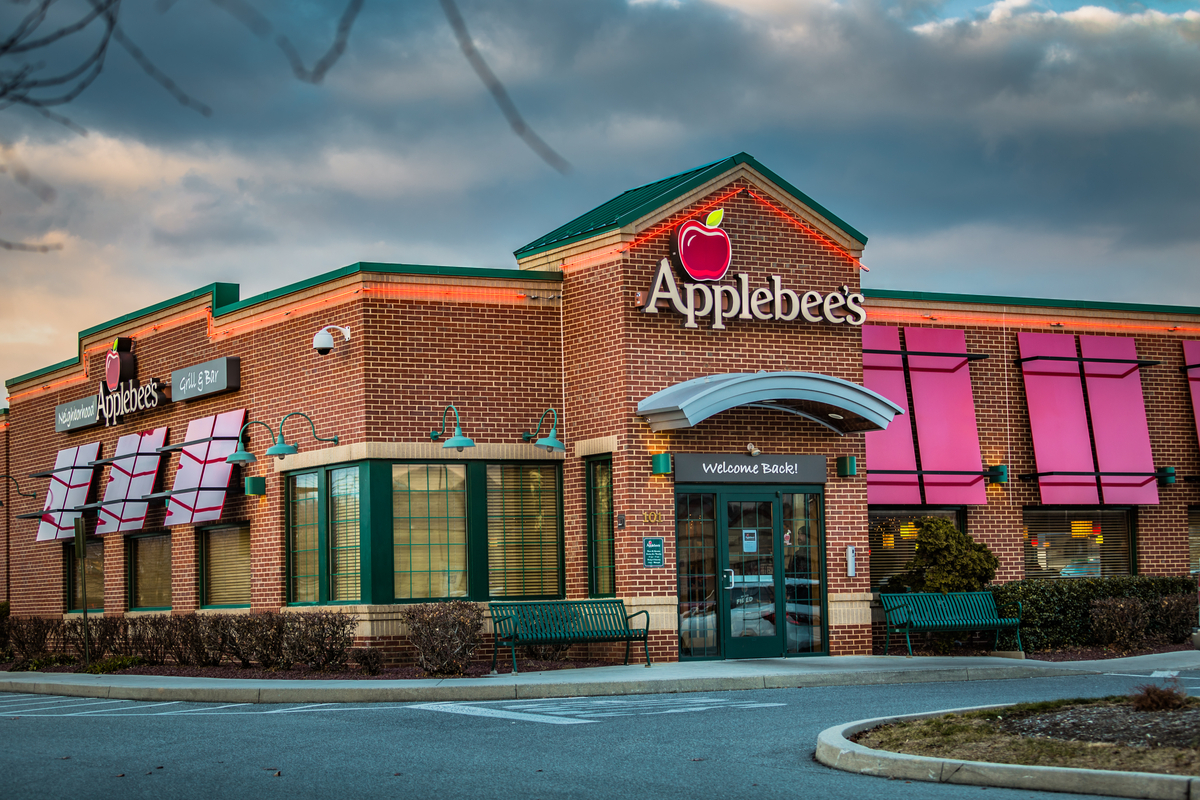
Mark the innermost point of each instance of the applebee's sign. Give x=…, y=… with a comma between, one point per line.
x=119, y=392
x=703, y=253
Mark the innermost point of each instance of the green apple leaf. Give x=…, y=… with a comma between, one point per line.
x=714, y=219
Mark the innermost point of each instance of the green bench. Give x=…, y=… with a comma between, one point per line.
x=953, y=611
x=565, y=622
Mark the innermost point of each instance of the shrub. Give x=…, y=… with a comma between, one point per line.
x=269, y=640
x=321, y=639
x=113, y=664
x=150, y=637
x=239, y=638
x=34, y=664
x=1119, y=621
x=31, y=636
x=105, y=635
x=211, y=635
x=445, y=635
x=4, y=608
x=1176, y=616
x=1152, y=697
x=1056, y=612
x=369, y=659
x=947, y=560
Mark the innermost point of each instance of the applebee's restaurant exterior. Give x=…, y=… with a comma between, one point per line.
x=682, y=398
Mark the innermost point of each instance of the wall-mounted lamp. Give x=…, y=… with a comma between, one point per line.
x=660, y=464
x=752, y=450
x=457, y=441
x=996, y=474
x=549, y=441
x=323, y=341
x=279, y=448
x=14, y=480
x=847, y=466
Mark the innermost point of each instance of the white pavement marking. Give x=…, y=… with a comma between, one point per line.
x=194, y=710
x=33, y=698
x=1165, y=673
x=477, y=711
x=297, y=708
x=110, y=711
x=25, y=711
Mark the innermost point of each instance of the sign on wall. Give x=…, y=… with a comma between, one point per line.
x=652, y=552
x=120, y=393
x=744, y=468
x=211, y=377
x=78, y=414
x=702, y=252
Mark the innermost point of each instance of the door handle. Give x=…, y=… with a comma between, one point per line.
x=729, y=575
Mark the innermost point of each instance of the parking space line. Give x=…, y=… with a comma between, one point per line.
x=77, y=705
x=478, y=711
x=202, y=708
x=109, y=710
x=33, y=698
x=298, y=708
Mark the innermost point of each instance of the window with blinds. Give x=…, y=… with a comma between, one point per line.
x=93, y=566
x=345, y=573
x=601, y=534
x=523, y=531
x=303, y=525
x=429, y=530
x=1194, y=541
x=226, y=566
x=150, y=571
x=892, y=538
x=1076, y=544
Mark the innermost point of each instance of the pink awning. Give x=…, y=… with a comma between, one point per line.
x=203, y=476
x=1057, y=418
x=1191, y=358
x=130, y=477
x=1114, y=393
x=70, y=485
x=890, y=449
x=944, y=408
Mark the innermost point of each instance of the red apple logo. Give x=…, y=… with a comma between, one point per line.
x=119, y=365
x=702, y=249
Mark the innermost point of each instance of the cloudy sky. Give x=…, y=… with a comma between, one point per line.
x=1039, y=148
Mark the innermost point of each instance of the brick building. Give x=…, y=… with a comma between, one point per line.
x=682, y=398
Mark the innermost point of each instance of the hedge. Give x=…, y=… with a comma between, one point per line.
x=1055, y=613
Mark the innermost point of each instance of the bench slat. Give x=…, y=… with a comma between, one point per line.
x=564, y=622
x=952, y=611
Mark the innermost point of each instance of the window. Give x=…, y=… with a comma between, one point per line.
x=324, y=547
x=892, y=537
x=696, y=568
x=226, y=565
x=601, y=534
x=429, y=530
x=150, y=571
x=1077, y=544
x=92, y=570
x=523, y=531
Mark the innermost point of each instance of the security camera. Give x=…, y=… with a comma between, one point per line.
x=323, y=341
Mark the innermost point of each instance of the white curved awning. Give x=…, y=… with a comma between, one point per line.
x=839, y=405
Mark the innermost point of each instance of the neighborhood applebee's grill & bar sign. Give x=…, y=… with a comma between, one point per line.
x=702, y=252
x=120, y=393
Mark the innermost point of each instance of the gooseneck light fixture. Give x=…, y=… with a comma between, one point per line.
x=457, y=441
x=279, y=448
x=549, y=441
x=23, y=494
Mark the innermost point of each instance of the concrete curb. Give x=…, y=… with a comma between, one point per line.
x=834, y=749
x=525, y=686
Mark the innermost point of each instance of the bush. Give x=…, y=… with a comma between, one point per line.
x=1119, y=621
x=150, y=637
x=34, y=664
x=1176, y=616
x=445, y=635
x=947, y=560
x=270, y=642
x=31, y=637
x=113, y=664
x=369, y=659
x=322, y=639
x=240, y=638
x=105, y=635
x=4, y=609
x=1056, y=612
x=1152, y=697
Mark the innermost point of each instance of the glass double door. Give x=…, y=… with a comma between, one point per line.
x=751, y=573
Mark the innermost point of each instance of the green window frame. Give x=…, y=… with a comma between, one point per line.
x=149, y=571
x=524, y=531
x=601, y=530
x=892, y=536
x=93, y=564
x=1079, y=542
x=327, y=523
x=429, y=531
x=225, y=566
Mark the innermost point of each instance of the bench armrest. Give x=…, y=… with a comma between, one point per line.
x=637, y=613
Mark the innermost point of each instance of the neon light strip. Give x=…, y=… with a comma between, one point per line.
x=258, y=322
x=804, y=226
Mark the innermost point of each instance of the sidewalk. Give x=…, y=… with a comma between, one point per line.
x=689, y=676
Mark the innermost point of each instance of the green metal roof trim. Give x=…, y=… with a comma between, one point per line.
x=388, y=269
x=637, y=203
x=221, y=293
x=1033, y=302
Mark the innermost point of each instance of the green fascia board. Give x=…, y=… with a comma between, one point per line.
x=644, y=200
x=221, y=294
x=1032, y=302
x=388, y=269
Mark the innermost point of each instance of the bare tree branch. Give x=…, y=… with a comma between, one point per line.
x=29, y=248
x=499, y=93
x=323, y=65
x=158, y=75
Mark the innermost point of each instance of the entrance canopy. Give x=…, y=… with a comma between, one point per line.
x=839, y=405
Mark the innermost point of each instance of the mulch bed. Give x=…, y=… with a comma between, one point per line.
x=1113, y=724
